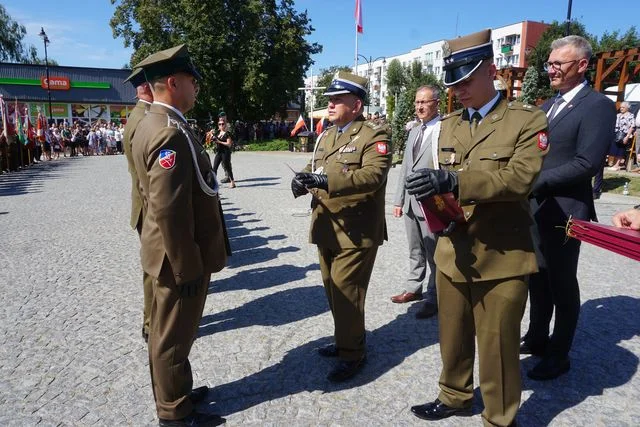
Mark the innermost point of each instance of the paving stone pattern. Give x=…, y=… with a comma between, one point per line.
x=71, y=352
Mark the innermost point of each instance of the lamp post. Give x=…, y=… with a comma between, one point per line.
x=45, y=39
x=369, y=62
x=567, y=30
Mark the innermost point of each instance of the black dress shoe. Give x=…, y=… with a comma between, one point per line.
x=346, y=369
x=197, y=395
x=536, y=349
x=193, y=420
x=145, y=336
x=427, y=310
x=329, y=350
x=549, y=368
x=225, y=180
x=437, y=410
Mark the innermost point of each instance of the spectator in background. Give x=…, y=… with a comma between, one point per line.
x=224, y=142
x=625, y=127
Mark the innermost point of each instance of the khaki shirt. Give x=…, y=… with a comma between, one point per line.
x=351, y=213
x=183, y=224
x=496, y=170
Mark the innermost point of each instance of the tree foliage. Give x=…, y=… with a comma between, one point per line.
x=325, y=77
x=12, y=47
x=396, y=78
x=251, y=53
x=530, y=91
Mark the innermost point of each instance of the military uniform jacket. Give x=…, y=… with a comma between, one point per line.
x=135, y=116
x=496, y=169
x=183, y=224
x=351, y=213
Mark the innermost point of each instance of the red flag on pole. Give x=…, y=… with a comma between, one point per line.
x=299, y=124
x=320, y=126
x=359, y=16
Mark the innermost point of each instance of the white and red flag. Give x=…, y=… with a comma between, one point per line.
x=359, y=16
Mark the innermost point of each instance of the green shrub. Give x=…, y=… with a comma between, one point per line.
x=272, y=145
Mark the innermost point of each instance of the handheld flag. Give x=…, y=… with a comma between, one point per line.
x=299, y=124
x=359, y=28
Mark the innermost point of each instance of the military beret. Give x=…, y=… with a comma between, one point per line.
x=462, y=56
x=345, y=82
x=136, y=78
x=167, y=62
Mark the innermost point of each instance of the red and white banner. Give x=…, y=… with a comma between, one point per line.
x=359, y=16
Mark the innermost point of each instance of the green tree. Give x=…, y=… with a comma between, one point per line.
x=529, y=86
x=614, y=41
x=12, y=47
x=396, y=78
x=252, y=53
x=325, y=77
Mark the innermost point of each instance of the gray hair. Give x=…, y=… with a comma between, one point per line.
x=625, y=104
x=580, y=44
x=435, y=90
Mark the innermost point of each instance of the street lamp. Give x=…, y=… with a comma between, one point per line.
x=369, y=62
x=45, y=39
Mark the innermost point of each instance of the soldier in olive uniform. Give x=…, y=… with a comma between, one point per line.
x=490, y=154
x=347, y=178
x=183, y=236
x=145, y=98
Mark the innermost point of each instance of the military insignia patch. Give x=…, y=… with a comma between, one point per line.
x=381, y=147
x=167, y=159
x=543, y=142
x=446, y=49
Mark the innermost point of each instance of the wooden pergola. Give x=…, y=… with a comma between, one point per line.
x=616, y=68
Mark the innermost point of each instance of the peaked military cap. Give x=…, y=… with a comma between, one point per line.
x=136, y=78
x=462, y=56
x=345, y=82
x=167, y=62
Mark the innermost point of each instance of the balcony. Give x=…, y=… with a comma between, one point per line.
x=506, y=49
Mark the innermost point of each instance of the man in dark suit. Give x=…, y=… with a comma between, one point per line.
x=145, y=98
x=420, y=152
x=183, y=238
x=581, y=128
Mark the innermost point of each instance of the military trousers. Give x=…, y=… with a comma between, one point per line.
x=147, y=291
x=174, y=325
x=492, y=311
x=346, y=274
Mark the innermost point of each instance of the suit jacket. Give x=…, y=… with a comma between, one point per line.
x=429, y=149
x=183, y=224
x=134, y=118
x=351, y=213
x=579, y=136
x=496, y=169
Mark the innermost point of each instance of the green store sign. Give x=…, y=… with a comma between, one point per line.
x=37, y=82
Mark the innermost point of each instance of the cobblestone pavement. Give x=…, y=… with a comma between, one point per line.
x=70, y=346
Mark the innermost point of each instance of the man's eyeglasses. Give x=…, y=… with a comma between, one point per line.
x=556, y=65
x=221, y=124
x=420, y=103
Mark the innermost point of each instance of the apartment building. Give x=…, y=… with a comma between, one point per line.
x=511, y=45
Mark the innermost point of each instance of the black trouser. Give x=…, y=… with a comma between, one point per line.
x=555, y=287
x=223, y=156
x=599, y=177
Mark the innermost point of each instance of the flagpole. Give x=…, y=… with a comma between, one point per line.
x=312, y=102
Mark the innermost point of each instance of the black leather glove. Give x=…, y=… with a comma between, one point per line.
x=190, y=289
x=313, y=180
x=297, y=188
x=425, y=183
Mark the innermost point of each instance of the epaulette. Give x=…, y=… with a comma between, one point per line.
x=453, y=114
x=517, y=105
x=374, y=125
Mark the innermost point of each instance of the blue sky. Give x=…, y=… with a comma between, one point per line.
x=80, y=34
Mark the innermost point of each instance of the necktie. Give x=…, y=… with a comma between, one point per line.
x=555, y=107
x=418, y=142
x=475, y=119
